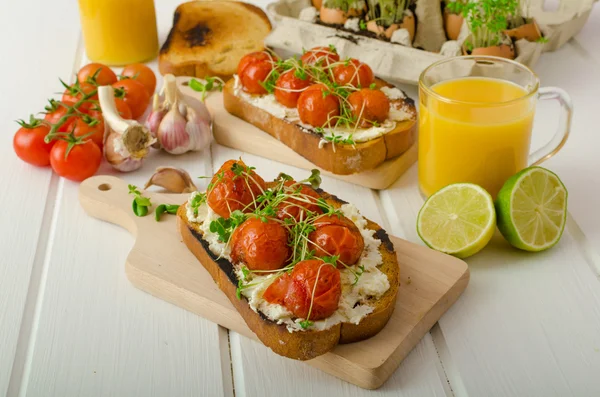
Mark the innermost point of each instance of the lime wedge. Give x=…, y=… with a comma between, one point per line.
x=459, y=219
x=532, y=209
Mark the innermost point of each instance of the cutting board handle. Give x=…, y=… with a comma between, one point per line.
x=107, y=198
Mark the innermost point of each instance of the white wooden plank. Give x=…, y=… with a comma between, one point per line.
x=30, y=73
x=257, y=369
x=94, y=333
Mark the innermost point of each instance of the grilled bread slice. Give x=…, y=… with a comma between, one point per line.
x=301, y=345
x=341, y=159
x=208, y=38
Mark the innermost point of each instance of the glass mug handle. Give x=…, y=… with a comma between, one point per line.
x=564, y=125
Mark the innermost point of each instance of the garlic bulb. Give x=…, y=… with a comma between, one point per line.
x=180, y=123
x=126, y=142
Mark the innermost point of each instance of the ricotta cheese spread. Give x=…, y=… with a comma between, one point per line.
x=354, y=301
x=268, y=103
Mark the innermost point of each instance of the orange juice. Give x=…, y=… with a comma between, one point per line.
x=477, y=130
x=119, y=32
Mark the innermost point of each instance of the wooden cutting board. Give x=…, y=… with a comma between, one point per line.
x=160, y=264
x=233, y=132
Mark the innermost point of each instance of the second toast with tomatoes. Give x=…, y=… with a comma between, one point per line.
x=333, y=112
x=304, y=269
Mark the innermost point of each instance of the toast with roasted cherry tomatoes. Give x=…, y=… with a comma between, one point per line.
x=334, y=112
x=304, y=269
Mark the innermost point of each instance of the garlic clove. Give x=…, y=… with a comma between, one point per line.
x=174, y=180
x=198, y=129
x=172, y=133
x=126, y=142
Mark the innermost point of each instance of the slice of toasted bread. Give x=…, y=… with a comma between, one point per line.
x=341, y=159
x=301, y=345
x=208, y=38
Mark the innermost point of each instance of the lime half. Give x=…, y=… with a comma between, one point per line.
x=532, y=209
x=459, y=219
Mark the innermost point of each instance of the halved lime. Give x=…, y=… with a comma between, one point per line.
x=459, y=219
x=532, y=209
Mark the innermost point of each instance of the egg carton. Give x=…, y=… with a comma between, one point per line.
x=399, y=63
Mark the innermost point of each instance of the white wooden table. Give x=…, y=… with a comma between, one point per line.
x=72, y=325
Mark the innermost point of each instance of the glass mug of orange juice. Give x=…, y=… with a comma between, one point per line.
x=475, y=122
x=119, y=32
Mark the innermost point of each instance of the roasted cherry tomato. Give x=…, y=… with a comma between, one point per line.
x=289, y=87
x=318, y=106
x=96, y=73
x=312, y=291
x=369, y=106
x=54, y=116
x=231, y=191
x=134, y=94
x=302, y=198
x=337, y=236
x=323, y=56
x=92, y=127
x=143, y=74
x=29, y=144
x=254, y=57
x=75, y=93
x=253, y=75
x=353, y=72
x=260, y=245
x=78, y=163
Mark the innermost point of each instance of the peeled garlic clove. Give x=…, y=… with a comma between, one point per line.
x=172, y=134
x=175, y=180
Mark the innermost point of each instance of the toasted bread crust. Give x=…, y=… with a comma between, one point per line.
x=302, y=345
x=339, y=158
x=206, y=40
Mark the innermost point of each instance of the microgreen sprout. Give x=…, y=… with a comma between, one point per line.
x=140, y=204
x=210, y=84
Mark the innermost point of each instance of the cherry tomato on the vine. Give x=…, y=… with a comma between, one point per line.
x=91, y=128
x=134, y=94
x=143, y=74
x=29, y=144
x=54, y=116
x=75, y=93
x=75, y=160
x=96, y=73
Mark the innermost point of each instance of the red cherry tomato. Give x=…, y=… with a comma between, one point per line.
x=313, y=290
x=354, y=73
x=302, y=198
x=369, y=106
x=318, y=106
x=337, y=236
x=260, y=245
x=29, y=144
x=96, y=73
x=254, y=57
x=323, y=56
x=81, y=162
x=92, y=127
x=143, y=74
x=134, y=94
x=75, y=93
x=230, y=192
x=54, y=116
x=289, y=87
x=253, y=75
